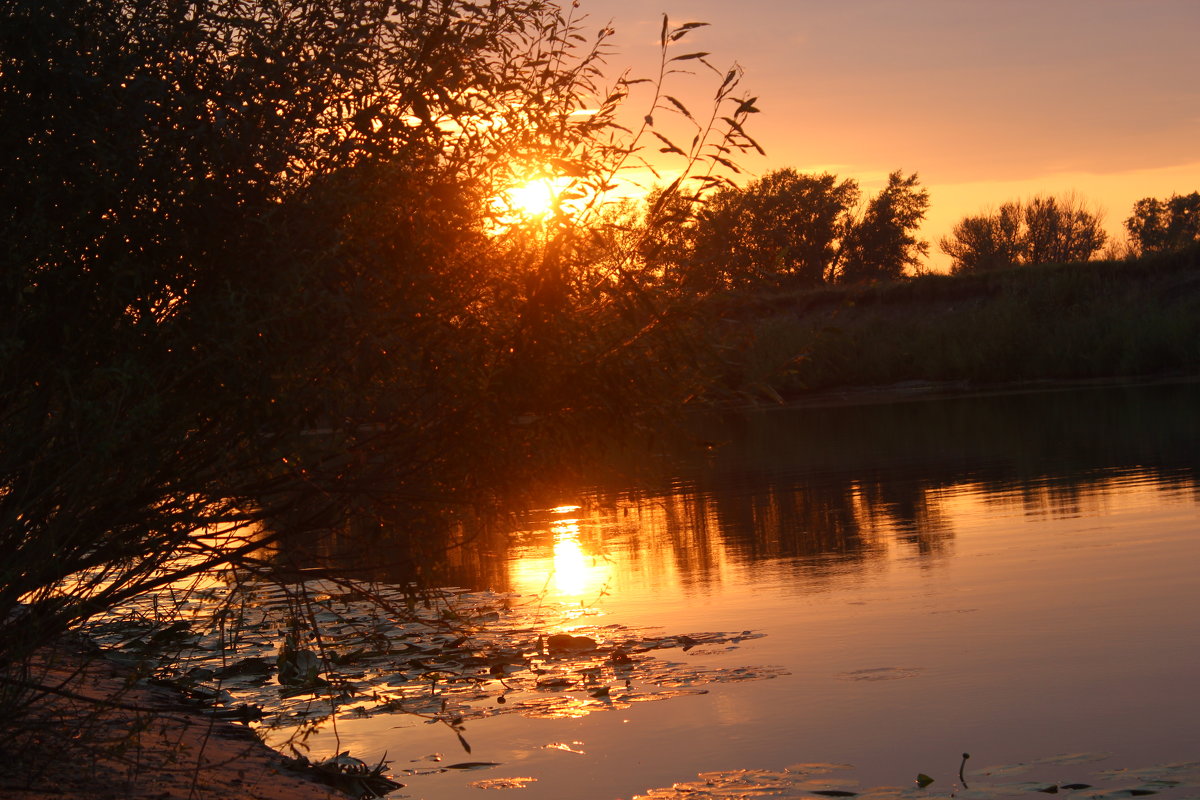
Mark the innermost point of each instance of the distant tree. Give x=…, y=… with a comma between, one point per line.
x=985, y=241
x=783, y=227
x=1158, y=226
x=1060, y=230
x=881, y=245
x=790, y=228
x=1046, y=229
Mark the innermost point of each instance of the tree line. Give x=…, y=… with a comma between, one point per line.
x=804, y=230
x=786, y=228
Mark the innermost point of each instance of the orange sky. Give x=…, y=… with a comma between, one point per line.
x=989, y=100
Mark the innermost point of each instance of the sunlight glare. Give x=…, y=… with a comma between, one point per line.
x=573, y=572
x=535, y=198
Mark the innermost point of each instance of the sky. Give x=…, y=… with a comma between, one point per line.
x=987, y=100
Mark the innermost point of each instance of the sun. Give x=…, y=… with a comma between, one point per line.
x=535, y=198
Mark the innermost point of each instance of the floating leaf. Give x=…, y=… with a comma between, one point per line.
x=923, y=780
x=503, y=783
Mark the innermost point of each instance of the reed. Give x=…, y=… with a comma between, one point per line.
x=1132, y=318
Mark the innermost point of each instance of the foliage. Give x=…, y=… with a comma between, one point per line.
x=1159, y=226
x=256, y=286
x=1044, y=230
x=881, y=245
x=788, y=228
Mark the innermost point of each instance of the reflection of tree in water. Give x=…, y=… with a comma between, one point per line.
x=848, y=487
x=914, y=511
x=400, y=546
x=828, y=520
x=840, y=488
x=824, y=525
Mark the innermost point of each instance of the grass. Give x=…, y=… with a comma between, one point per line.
x=1111, y=319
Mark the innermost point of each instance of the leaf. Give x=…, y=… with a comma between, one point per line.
x=472, y=764
x=670, y=146
x=747, y=106
x=725, y=162
x=738, y=127
x=680, y=106
x=923, y=780
x=570, y=169
x=689, y=56
x=463, y=741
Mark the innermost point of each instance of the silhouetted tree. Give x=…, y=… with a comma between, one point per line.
x=783, y=227
x=881, y=245
x=1158, y=226
x=1046, y=229
x=789, y=228
x=1060, y=230
x=985, y=241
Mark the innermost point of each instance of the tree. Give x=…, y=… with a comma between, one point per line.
x=1059, y=230
x=789, y=228
x=985, y=241
x=1045, y=229
x=1158, y=226
x=881, y=245
x=253, y=282
x=783, y=227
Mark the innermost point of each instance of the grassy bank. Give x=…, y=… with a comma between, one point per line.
x=1110, y=319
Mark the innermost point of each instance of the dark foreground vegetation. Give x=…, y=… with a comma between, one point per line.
x=260, y=287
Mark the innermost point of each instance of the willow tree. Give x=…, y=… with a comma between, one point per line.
x=256, y=273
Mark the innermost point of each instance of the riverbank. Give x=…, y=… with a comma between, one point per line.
x=103, y=736
x=1096, y=321
x=915, y=391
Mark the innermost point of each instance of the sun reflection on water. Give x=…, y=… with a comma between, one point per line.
x=571, y=572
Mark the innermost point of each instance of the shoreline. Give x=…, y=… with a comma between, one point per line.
x=107, y=736
x=917, y=390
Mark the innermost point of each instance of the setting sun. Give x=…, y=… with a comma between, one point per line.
x=534, y=199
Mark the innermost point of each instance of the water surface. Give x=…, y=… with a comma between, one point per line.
x=1013, y=576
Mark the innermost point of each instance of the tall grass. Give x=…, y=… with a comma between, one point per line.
x=1112, y=319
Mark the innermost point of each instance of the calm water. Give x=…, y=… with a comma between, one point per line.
x=1012, y=576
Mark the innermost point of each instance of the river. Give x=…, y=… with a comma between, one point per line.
x=1014, y=576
